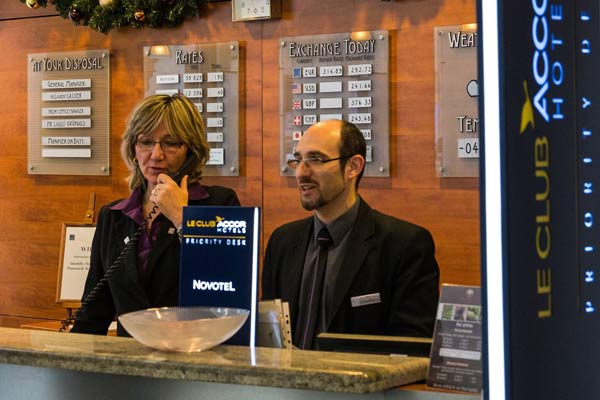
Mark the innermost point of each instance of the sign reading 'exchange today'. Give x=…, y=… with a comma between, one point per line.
x=336, y=76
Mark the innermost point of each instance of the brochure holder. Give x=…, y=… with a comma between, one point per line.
x=455, y=360
x=274, y=328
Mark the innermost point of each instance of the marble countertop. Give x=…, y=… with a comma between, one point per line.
x=298, y=369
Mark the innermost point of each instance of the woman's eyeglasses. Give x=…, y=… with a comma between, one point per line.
x=167, y=145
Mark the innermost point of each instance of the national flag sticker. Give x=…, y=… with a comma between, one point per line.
x=296, y=135
x=309, y=119
x=296, y=88
x=297, y=72
x=297, y=104
x=297, y=120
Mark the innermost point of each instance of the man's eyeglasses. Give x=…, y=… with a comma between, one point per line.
x=312, y=161
x=167, y=145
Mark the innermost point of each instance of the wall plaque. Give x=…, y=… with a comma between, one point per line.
x=456, y=92
x=336, y=76
x=208, y=74
x=68, y=113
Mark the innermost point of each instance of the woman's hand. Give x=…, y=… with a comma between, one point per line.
x=170, y=197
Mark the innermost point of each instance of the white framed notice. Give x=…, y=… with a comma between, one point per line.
x=74, y=264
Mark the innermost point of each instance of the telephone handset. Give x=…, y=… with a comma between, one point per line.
x=186, y=168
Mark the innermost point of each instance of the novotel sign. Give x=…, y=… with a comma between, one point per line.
x=198, y=284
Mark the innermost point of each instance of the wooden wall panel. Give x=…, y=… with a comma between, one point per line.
x=32, y=207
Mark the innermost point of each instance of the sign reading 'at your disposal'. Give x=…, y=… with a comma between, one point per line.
x=68, y=113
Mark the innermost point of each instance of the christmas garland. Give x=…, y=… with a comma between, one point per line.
x=103, y=15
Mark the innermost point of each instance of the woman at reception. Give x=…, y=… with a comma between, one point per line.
x=135, y=252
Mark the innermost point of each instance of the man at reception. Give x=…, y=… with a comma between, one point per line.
x=348, y=268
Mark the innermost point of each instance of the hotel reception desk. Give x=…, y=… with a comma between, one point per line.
x=51, y=365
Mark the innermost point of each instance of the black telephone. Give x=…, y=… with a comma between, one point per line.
x=186, y=168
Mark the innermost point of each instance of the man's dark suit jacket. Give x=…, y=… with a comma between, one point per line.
x=384, y=255
x=126, y=292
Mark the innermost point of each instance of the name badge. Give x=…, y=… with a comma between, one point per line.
x=365, y=299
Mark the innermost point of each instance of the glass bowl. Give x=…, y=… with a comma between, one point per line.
x=185, y=329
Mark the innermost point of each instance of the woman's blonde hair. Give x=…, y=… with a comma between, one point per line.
x=183, y=122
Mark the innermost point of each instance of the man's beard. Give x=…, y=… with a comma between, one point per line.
x=320, y=201
x=310, y=205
